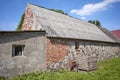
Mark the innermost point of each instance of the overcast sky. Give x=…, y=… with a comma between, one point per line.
x=106, y=11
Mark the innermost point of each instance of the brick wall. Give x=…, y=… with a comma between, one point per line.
x=28, y=20
x=57, y=49
x=31, y=21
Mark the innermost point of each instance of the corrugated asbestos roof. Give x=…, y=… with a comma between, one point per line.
x=117, y=40
x=59, y=25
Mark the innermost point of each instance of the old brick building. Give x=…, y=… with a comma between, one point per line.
x=62, y=42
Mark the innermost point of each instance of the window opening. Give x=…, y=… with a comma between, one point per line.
x=17, y=50
x=76, y=45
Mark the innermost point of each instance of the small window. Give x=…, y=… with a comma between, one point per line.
x=76, y=45
x=17, y=50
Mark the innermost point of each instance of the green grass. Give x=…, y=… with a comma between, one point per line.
x=108, y=70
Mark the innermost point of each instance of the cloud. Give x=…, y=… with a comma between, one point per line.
x=91, y=8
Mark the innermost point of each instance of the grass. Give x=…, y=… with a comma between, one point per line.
x=108, y=70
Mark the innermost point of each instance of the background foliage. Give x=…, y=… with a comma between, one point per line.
x=20, y=23
x=96, y=22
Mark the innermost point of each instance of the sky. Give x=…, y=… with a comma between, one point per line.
x=106, y=11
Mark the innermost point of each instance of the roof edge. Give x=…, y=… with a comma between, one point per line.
x=82, y=39
x=22, y=31
x=109, y=34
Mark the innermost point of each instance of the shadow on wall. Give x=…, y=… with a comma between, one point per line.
x=11, y=37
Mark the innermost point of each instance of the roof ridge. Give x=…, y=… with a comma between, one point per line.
x=36, y=5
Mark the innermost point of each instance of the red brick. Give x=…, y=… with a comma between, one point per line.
x=57, y=49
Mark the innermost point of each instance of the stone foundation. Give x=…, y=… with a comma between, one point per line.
x=61, y=53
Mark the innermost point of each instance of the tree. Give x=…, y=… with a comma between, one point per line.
x=59, y=11
x=90, y=21
x=20, y=23
x=96, y=22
